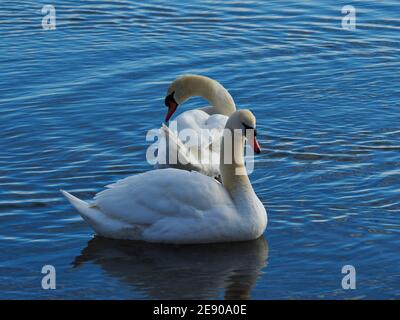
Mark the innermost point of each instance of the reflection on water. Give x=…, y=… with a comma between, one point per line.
x=180, y=271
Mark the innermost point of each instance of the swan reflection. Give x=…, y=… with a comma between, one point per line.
x=181, y=271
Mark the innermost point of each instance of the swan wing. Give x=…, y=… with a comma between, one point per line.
x=146, y=198
x=208, y=128
x=200, y=154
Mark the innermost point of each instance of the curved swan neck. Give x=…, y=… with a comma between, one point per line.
x=215, y=94
x=233, y=171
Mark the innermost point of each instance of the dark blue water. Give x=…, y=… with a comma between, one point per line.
x=76, y=103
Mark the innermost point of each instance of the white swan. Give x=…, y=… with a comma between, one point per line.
x=208, y=124
x=178, y=206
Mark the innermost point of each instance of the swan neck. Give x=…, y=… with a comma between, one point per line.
x=215, y=94
x=233, y=172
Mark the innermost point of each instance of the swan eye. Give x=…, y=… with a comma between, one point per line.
x=249, y=128
x=170, y=99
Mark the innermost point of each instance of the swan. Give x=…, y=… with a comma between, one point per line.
x=208, y=123
x=183, y=207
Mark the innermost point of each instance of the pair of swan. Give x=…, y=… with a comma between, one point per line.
x=203, y=155
x=179, y=206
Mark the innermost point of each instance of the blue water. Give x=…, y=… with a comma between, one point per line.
x=76, y=103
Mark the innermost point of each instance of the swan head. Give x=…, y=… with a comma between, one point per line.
x=245, y=120
x=178, y=92
x=184, y=87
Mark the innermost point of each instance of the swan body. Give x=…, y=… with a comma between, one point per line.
x=193, y=209
x=208, y=123
x=178, y=206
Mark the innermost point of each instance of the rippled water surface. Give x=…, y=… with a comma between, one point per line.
x=76, y=103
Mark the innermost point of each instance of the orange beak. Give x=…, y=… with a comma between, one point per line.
x=171, y=109
x=255, y=145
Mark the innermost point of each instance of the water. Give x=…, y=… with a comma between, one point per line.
x=76, y=103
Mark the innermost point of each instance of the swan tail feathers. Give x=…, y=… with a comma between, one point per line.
x=89, y=212
x=100, y=222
